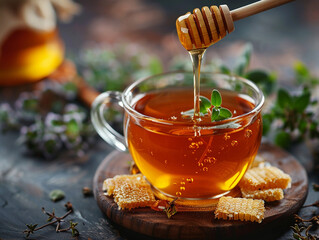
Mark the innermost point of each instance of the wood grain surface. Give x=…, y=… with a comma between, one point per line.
x=199, y=225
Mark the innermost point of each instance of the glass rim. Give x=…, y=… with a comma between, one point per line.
x=254, y=111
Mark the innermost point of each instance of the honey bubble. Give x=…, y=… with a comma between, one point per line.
x=205, y=169
x=248, y=133
x=178, y=194
x=234, y=143
x=226, y=137
x=190, y=180
x=194, y=145
x=182, y=188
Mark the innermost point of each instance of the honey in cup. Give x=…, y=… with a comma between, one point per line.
x=181, y=157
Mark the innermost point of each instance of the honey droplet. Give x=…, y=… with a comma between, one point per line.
x=190, y=180
x=178, y=194
x=234, y=143
x=182, y=188
x=248, y=133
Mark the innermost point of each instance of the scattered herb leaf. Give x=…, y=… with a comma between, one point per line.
x=315, y=187
x=56, y=195
x=53, y=219
x=301, y=229
x=87, y=192
x=31, y=229
x=68, y=206
x=168, y=207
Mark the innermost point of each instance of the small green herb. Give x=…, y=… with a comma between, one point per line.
x=56, y=195
x=292, y=118
x=216, y=98
x=213, y=107
x=204, y=104
x=215, y=114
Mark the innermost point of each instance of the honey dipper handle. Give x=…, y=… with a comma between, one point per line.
x=255, y=8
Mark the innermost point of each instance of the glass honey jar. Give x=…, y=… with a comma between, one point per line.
x=30, y=46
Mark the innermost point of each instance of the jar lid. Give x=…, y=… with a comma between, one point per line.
x=38, y=15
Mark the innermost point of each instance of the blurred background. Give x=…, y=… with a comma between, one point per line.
x=279, y=36
x=81, y=48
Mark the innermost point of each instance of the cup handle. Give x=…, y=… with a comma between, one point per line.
x=103, y=128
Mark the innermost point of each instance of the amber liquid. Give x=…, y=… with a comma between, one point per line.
x=177, y=160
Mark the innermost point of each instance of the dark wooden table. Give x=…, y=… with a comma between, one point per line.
x=25, y=181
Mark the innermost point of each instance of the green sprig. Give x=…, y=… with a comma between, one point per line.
x=213, y=107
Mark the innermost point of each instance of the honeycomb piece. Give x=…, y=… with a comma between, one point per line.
x=129, y=191
x=243, y=209
x=265, y=178
x=267, y=195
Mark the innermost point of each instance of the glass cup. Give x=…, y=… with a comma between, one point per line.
x=193, y=161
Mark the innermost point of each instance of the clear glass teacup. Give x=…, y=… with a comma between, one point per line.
x=181, y=157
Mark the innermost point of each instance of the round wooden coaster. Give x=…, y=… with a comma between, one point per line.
x=201, y=224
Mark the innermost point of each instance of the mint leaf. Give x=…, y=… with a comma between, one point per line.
x=215, y=114
x=224, y=113
x=284, y=99
x=244, y=60
x=216, y=98
x=283, y=139
x=301, y=102
x=56, y=195
x=266, y=81
x=204, y=104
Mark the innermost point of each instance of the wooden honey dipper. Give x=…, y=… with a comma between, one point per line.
x=209, y=25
